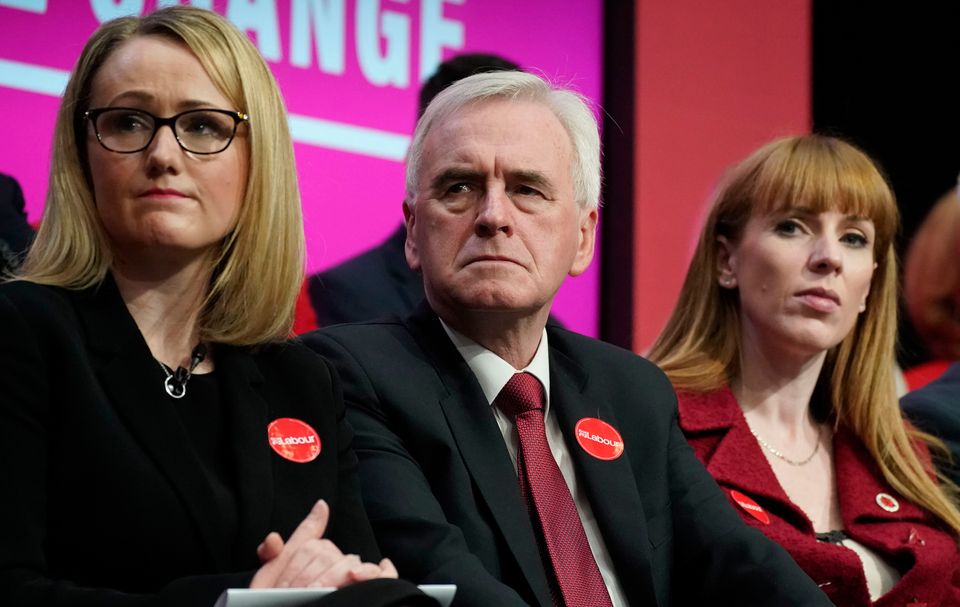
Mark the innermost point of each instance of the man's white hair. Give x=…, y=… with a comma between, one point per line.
x=570, y=108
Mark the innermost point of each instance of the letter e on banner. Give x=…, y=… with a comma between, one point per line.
x=599, y=439
x=293, y=439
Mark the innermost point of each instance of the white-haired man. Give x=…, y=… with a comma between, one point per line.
x=522, y=462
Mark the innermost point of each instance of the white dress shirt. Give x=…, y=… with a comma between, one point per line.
x=493, y=373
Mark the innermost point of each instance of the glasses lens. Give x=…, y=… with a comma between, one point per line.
x=124, y=130
x=205, y=131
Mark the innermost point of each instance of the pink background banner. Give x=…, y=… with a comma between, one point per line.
x=349, y=70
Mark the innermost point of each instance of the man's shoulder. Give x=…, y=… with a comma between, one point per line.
x=624, y=377
x=589, y=351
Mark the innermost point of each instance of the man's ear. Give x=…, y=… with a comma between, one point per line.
x=726, y=263
x=410, y=245
x=587, y=240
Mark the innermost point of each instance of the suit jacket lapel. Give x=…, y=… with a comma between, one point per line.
x=133, y=383
x=481, y=445
x=610, y=486
x=249, y=417
x=718, y=412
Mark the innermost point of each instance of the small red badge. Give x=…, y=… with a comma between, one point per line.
x=888, y=502
x=599, y=439
x=752, y=507
x=293, y=439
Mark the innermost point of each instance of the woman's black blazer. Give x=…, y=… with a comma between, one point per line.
x=103, y=498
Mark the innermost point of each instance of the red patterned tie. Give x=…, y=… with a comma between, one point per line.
x=548, y=498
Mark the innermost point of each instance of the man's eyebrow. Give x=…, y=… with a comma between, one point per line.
x=454, y=174
x=534, y=178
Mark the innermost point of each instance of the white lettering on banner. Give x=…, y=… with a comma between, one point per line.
x=392, y=67
x=105, y=10
x=383, y=37
x=259, y=17
x=33, y=6
x=598, y=439
x=327, y=19
x=436, y=33
x=33, y=78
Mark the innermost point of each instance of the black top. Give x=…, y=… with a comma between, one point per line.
x=206, y=419
x=108, y=497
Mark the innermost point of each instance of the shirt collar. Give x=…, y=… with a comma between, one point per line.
x=493, y=372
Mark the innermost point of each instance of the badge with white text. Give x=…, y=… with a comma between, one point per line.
x=599, y=439
x=888, y=502
x=293, y=439
x=752, y=507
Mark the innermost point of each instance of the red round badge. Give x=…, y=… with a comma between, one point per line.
x=599, y=439
x=887, y=502
x=752, y=507
x=293, y=439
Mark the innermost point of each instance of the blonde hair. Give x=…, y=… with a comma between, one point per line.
x=699, y=348
x=931, y=278
x=257, y=274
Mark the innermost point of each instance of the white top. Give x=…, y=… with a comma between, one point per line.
x=493, y=373
x=881, y=577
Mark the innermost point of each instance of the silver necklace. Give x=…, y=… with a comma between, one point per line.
x=176, y=382
x=777, y=453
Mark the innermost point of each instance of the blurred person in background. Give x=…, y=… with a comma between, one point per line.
x=15, y=233
x=932, y=297
x=931, y=288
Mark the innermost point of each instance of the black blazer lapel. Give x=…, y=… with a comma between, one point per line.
x=238, y=381
x=133, y=383
x=609, y=485
x=481, y=445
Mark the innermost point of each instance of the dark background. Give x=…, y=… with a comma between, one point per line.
x=881, y=76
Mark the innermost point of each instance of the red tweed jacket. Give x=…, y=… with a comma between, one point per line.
x=904, y=535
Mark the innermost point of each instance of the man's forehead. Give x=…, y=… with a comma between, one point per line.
x=525, y=133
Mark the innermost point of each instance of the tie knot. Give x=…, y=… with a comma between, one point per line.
x=523, y=393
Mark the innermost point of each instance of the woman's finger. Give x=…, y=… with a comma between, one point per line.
x=311, y=557
x=387, y=569
x=271, y=548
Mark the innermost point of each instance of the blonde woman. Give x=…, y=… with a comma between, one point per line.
x=781, y=349
x=156, y=435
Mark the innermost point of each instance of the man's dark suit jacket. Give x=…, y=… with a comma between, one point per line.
x=104, y=498
x=443, y=497
x=935, y=408
x=375, y=284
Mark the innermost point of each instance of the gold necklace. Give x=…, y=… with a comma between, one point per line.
x=776, y=452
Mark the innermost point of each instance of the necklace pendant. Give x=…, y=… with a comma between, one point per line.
x=174, y=388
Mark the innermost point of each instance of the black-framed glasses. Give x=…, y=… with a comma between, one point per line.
x=202, y=131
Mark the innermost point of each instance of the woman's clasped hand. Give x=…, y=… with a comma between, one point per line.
x=307, y=560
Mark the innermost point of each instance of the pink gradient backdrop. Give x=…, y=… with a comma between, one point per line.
x=351, y=201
